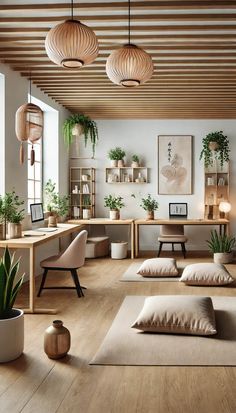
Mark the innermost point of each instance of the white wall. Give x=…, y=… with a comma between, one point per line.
x=140, y=137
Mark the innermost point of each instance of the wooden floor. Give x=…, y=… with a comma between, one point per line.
x=34, y=383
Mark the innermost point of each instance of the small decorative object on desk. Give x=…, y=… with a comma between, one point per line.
x=56, y=340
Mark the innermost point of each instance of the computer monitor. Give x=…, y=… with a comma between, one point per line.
x=36, y=212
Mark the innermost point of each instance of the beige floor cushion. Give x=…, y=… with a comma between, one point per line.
x=158, y=267
x=178, y=314
x=206, y=274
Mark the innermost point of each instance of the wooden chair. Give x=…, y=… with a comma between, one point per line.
x=172, y=234
x=70, y=260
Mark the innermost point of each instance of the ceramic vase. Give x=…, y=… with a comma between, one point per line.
x=150, y=215
x=14, y=230
x=121, y=163
x=114, y=214
x=56, y=340
x=52, y=221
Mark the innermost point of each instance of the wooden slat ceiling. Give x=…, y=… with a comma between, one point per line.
x=192, y=43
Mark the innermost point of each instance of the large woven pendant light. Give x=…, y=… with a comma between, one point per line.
x=28, y=126
x=71, y=44
x=130, y=65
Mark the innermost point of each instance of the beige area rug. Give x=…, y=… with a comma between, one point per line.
x=124, y=345
x=131, y=275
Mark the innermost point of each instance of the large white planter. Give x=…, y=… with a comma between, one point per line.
x=119, y=250
x=223, y=257
x=12, y=337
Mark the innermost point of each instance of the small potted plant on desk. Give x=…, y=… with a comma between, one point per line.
x=215, y=144
x=56, y=205
x=9, y=213
x=14, y=225
x=11, y=319
x=150, y=205
x=222, y=247
x=116, y=157
x=115, y=203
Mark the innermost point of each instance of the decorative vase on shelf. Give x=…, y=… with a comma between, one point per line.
x=135, y=164
x=56, y=340
x=121, y=163
x=150, y=215
x=114, y=163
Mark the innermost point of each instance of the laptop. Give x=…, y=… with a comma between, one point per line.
x=37, y=218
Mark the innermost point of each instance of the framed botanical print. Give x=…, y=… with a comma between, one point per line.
x=174, y=164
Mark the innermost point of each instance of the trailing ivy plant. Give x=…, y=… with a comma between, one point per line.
x=221, y=153
x=89, y=130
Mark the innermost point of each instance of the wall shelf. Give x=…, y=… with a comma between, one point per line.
x=127, y=175
x=82, y=180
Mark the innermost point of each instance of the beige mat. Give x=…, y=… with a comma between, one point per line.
x=131, y=275
x=124, y=345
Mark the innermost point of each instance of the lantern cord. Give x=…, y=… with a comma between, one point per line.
x=72, y=10
x=129, y=22
x=30, y=88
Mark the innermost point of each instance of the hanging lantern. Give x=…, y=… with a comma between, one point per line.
x=29, y=126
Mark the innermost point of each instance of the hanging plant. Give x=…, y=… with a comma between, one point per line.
x=220, y=149
x=89, y=130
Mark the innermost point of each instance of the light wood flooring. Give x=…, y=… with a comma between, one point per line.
x=36, y=384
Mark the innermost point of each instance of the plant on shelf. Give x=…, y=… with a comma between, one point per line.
x=86, y=207
x=88, y=128
x=116, y=156
x=9, y=204
x=215, y=144
x=221, y=246
x=54, y=204
x=135, y=161
x=114, y=203
x=11, y=319
x=150, y=205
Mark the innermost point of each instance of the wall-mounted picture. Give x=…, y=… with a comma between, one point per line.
x=175, y=164
x=178, y=210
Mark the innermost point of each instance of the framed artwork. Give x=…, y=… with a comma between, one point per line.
x=175, y=164
x=178, y=210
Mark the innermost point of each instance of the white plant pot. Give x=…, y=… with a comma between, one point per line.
x=135, y=164
x=14, y=230
x=12, y=337
x=114, y=214
x=119, y=250
x=223, y=257
x=86, y=213
x=114, y=163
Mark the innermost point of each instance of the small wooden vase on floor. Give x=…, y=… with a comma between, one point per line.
x=56, y=340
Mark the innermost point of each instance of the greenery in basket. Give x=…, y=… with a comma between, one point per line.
x=9, y=288
x=221, y=153
x=113, y=202
x=89, y=129
x=53, y=202
x=9, y=204
x=221, y=243
x=116, y=154
x=149, y=203
x=135, y=158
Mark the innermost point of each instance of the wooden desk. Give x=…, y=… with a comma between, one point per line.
x=221, y=223
x=30, y=243
x=106, y=221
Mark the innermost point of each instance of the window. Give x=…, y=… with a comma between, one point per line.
x=35, y=175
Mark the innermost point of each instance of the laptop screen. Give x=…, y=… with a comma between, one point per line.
x=36, y=212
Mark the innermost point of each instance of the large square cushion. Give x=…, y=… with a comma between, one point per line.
x=206, y=274
x=158, y=267
x=178, y=314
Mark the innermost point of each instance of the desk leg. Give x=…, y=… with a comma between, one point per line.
x=31, y=279
x=136, y=226
x=132, y=241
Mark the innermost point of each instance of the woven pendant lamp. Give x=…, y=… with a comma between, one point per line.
x=28, y=126
x=130, y=65
x=71, y=44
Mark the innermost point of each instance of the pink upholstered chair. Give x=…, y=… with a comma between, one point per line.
x=172, y=234
x=70, y=260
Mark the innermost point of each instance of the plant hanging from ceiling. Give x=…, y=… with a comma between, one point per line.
x=88, y=129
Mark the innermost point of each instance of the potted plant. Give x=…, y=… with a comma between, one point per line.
x=9, y=204
x=14, y=225
x=221, y=246
x=86, y=207
x=215, y=144
x=135, y=161
x=150, y=205
x=79, y=124
x=116, y=156
x=115, y=203
x=11, y=319
x=55, y=205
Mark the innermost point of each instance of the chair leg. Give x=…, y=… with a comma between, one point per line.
x=77, y=283
x=43, y=281
x=183, y=249
x=160, y=248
